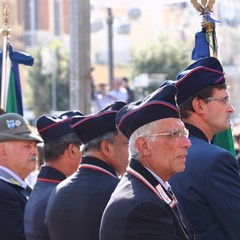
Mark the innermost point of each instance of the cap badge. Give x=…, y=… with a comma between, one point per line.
x=17, y=123
x=12, y=124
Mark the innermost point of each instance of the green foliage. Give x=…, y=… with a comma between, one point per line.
x=40, y=82
x=162, y=57
x=40, y=97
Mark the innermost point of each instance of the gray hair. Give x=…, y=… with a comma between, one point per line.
x=96, y=142
x=143, y=131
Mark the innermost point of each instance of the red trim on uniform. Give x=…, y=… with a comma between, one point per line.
x=96, y=168
x=48, y=180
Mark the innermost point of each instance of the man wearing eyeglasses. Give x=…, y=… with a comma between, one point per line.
x=209, y=188
x=143, y=205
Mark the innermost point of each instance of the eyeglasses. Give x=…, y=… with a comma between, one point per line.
x=224, y=100
x=175, y=133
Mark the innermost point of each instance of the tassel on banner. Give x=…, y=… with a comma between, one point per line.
x=206, y=40
x=201, y=48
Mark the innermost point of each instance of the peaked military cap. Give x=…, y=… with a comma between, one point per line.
x=15, y=127
x=52, y=127
x=158, y=105
x=202, y=73
x=92, y=126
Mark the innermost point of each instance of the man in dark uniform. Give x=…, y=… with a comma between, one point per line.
x=130, y=91
x=18, y=155
x=143, y=205
x=209, y=188
x=62, y=157
x=75, y=207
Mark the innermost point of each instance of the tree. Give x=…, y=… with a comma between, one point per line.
x=161, y=57
x=42, y=75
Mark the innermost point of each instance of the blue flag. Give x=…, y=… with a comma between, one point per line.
x=13, y=92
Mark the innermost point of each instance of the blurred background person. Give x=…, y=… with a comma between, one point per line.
x=118, y=92
x=130, y=91
x=102, y=98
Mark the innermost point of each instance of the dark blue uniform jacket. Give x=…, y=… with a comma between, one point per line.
x=135, y=211
x=209, y=189
x=75, y=207
x=34, y=217
x=13, y=199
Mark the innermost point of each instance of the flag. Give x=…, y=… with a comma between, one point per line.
x=11, y=92
x=206, y=46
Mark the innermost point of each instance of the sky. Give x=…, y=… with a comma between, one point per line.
x=133, y=3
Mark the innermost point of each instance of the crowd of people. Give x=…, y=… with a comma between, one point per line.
x=142, y=169
x=121, y=91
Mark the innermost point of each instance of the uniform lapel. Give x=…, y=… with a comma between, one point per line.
x=136, y=169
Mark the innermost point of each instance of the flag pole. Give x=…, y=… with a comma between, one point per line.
x=209, y=28
x=5, y=68
x=224, y=139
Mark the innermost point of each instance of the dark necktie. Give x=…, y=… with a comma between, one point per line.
x=177, y=211
x=26, y=191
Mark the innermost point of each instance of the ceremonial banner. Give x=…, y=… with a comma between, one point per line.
x=10, y=85
x=11, y=92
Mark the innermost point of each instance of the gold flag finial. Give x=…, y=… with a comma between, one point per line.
x=204, y=7
x=208, y=24
x=5, y=28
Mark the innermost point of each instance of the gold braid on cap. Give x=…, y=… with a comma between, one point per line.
x=204, y=7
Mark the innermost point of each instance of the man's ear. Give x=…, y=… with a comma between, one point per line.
x=69, y=150
x=198, y=105
x=72, y=149
x=105, y=147
x=142, y=146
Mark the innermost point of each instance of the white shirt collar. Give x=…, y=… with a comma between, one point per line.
x=14, y=178
x=166, y=185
